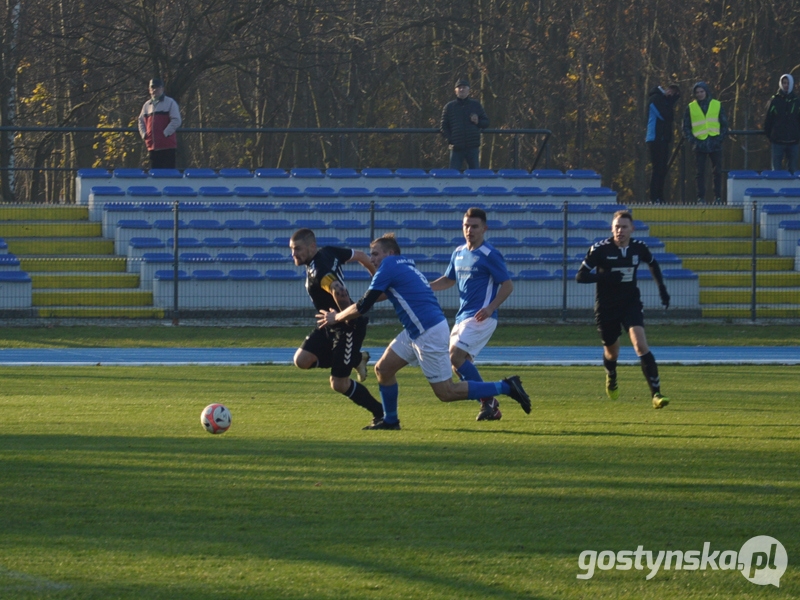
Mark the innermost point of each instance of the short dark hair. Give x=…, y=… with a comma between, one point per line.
x=674, y=86
x=473, y=212
x=304, y=236
x=622, y=214
x=388, y=242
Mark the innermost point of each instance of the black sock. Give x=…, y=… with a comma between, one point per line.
x=361, y=396
x=650, y=370
x=611, y=367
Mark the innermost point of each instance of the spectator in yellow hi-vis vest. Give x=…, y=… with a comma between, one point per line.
x=705, y=127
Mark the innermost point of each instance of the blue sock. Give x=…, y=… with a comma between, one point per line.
x=469, y=372
x=389, y=400
x=479, y=389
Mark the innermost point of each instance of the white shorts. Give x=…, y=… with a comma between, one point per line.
x=429, y=351
x=471, y=335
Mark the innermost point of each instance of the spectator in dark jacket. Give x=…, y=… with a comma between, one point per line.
x=660, y=122
x=462, y=120
x=705, y=127
x=782, y=125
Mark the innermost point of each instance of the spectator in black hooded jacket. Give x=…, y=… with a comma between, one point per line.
x=782, y=125
x=462, y=120
x=660, y=123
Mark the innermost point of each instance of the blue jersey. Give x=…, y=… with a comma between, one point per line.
x=410, y=294
x=478, y=273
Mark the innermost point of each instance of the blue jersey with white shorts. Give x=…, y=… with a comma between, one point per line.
x=479, y=274
x=410, y=294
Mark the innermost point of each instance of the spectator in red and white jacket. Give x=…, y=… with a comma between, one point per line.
x=158, y=122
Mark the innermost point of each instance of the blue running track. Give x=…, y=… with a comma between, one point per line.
x=519, y=355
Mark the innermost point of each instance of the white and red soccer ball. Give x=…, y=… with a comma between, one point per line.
x=216, y=418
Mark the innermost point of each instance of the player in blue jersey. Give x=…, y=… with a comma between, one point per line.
x=424, y=339
x=483, y=285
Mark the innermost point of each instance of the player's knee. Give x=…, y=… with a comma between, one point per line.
x=340, y=384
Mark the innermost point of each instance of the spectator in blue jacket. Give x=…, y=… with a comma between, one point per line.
x=782, y=125
x=462, y=120
x=660, y=122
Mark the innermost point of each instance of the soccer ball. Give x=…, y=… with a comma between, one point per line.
x=216, y=418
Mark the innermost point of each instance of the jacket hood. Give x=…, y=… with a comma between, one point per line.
x=704, y=85
x=791, y=83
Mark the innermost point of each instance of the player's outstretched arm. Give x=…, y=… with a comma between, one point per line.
x=363, y=259
x=655, y=270
x=503, y=292
x=442, y=283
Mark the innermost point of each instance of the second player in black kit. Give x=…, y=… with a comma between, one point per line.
x=611, y=264
x=335, y=348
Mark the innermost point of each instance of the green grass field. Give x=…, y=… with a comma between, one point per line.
x=112, y=489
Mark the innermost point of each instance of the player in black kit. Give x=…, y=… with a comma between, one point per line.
x=335, y=348
x=612, y=264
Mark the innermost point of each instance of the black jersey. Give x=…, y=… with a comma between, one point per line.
x=322, y=271
x=605, y=257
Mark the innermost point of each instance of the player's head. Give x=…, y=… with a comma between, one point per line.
x=303, y=245
x=474, y=226
x=622, y=227
x=384, y=246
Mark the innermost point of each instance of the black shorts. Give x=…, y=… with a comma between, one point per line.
x=610, y=322
x=338, y=347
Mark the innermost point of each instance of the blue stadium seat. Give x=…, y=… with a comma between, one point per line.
x=505, y=242
x=494, y=191
x=241, y=224
x=355, y=192
x=168, y=224
x=134, y=224
x=283, y=275
x=377, y=173
x=557, y=224
x=534, y=275
x=480, y=174
x=348, y=224
x=459, y=190
x=528, y=191
x=121, y=207
x=328, y=240
x=548, y=174
x=386, y=224
x=215, y=190
x=297, y=207
x=165, y=174
x=262, y=207
x=245, y=275
x=562, y=191
x=544, y=208
x=463, y=207
x=441, y=257
x=496, y=225
x=185, y=242
x=282, y=191
x=200, y=174
x=181, y=191
x=432, y=242
x=219, y=242
x=270, y=257
x=236, y=173
x=449, y=224
x=342, y=173
x=514, y=174
x=193, y=207
x=436, y=207
x=417, y=257
x=255, y=242
x=224, y=207
x=143, y=190
x=233, y=257
x=265, y=173
x=508, y=207
x=357, y=242
x=158, y=257
x=195, y=257
x=519, y=257
x=539, y=242
x=405, y=242
x=772, y=175
x=424, y=192
x=169, y=275
x=582, y=174
x=307, y=173
x=209, y=275
x=390, y=192
x=598, y=192
x=357, y=275
x=315, y=224
x=107, y=190
x=332, y=207
x=418, y=224
x=522, y=224
x=575, y=241
x=320, y=192
x=250, y=191
x=94, y=173
x=146, y=242
x=130, y=174
x=205, y=224
x=270, y=224
x=446, y=174
x=412, y=173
